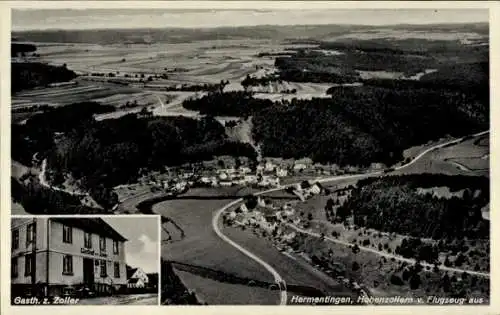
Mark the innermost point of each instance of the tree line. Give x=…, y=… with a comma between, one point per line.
x=102, y=154
x=357, y=125
x=234, y=103
x=383, y=205
x=361, y=125
x=27, y=75
x=454, y=60
x=37, y=199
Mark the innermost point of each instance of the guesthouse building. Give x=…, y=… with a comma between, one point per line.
x=59, y=256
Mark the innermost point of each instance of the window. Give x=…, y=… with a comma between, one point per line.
x=117, y=270
x=28, y=264
x=15, y=239
x=102, y=244
x=14, y=267
x=116, y=249
x=87, y=239
x=30, y=234
x=67, y=234
x=67, y=265
x=103, y=269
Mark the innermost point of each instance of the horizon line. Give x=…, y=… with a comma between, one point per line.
x=484, y=23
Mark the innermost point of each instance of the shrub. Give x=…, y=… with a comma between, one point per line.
x=396, y=280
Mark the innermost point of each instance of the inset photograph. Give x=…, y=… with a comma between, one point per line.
x=84, y=261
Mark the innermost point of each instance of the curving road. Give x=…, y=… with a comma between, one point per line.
x=43, y=181
x=277, y=277
x=387, y=255
x=215, y=224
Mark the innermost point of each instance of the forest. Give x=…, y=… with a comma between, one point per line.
x=37, y=199
x=103, y=154
x=360, y=125
x=113, y=152
x=392, y=204
x=21, y=48
x=37, y=135
x=339, y=61
x=344, y=130
x=471, y=78
x=237, y=103
x=26, y=75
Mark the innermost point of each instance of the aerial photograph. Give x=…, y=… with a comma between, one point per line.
x=293, y=157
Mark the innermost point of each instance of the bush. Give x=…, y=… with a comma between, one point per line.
x=415, y=282
x=396, y=280
x=355, y=249
x=406, y=275
x=355, y=266
x=28, y=75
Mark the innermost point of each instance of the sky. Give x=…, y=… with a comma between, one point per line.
x=141, y=249
x=67, y=19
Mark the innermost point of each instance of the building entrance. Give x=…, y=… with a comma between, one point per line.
x=88, y=272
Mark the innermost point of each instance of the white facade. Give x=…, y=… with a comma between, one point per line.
x=280, y=172
x=315, y=189
x=244, y=208
x=139, y=279
x=136, y=284
x=269, y=167
x=56, y=254
x=298, y=167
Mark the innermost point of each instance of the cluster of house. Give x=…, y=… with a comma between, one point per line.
x=266, y=175
x=306, y=190
x=243, y=176
x=266, y=217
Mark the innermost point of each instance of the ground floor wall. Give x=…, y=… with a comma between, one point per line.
x=53, y=279
x=39, y=265
x=81, y=265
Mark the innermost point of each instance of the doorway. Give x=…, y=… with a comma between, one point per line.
x=88, y=272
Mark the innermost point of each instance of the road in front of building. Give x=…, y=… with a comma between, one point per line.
x=129, y=299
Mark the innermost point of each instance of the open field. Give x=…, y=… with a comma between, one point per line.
x=220, y=293
x=187, y=63
x=105, y=93
x=201, y=247
x=470, y=157
x=203, y=61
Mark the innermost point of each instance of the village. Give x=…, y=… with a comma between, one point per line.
x=273, y=220
x=271, y=173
